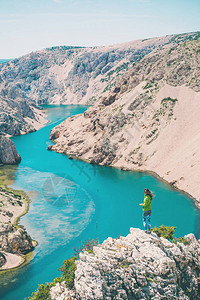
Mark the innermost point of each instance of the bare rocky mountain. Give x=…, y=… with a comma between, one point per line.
x=138, y=266
x=148, y=121
x=62, y=75
x=71, y=74
x=66, y=75
x=74, y=74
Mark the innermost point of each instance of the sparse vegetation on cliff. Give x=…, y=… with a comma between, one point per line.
x=135, y=266
x=68, y=272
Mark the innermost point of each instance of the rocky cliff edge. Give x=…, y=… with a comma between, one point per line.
x=138, y=266
x=8, y=152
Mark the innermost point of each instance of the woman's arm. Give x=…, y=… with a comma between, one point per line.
x=145, y=202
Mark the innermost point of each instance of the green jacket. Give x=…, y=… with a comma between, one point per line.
x=147, y=203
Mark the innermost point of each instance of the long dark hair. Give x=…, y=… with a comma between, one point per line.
x=148, y=192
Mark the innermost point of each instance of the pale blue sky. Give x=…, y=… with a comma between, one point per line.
x=29, y=25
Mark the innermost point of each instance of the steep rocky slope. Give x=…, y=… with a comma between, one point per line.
x=19, y=115
x=71, y=75
x=138, y=266
x=75, y=75
x=65, y=75
x=62, y=75
x=8, y=153
x=149, y=120
x=2, y=259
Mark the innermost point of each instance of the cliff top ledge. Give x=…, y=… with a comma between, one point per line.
x=138, y=266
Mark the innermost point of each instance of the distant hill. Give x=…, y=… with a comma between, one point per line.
x=68, y=75
x=73, y=75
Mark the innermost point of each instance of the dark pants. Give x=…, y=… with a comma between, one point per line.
x=147, y=219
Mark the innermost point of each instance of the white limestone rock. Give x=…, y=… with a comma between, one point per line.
x=138, y=266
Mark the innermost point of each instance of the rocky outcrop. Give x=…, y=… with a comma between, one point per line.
x=8, y=153
x=19, y=115
x=14, y=241
x=2, y=259
x=138, y=266
x=148, y=120
x=59, y=291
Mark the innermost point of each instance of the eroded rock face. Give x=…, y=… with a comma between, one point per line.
x=2, y=259
x=68, y=74
x=63, y=75
x=138, y=266
x=14, y=241
x=59, y=291
x=71, y=75
x=8, y=152
x=19, y=114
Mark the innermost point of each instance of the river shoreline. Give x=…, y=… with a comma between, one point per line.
x=12, y=217
x=148, y=172
x=32, y=174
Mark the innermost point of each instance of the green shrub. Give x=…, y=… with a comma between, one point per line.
x=68, y=272
x=166, y=232
x=169, y=99
x=180, y=240
x=56, y=280
x=90, y=251
x=42, y=292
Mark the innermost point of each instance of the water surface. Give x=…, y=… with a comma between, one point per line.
x=3, y=61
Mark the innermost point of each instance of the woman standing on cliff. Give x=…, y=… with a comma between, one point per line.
x=146, y=207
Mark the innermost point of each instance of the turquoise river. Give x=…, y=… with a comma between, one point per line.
x=73, y=201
